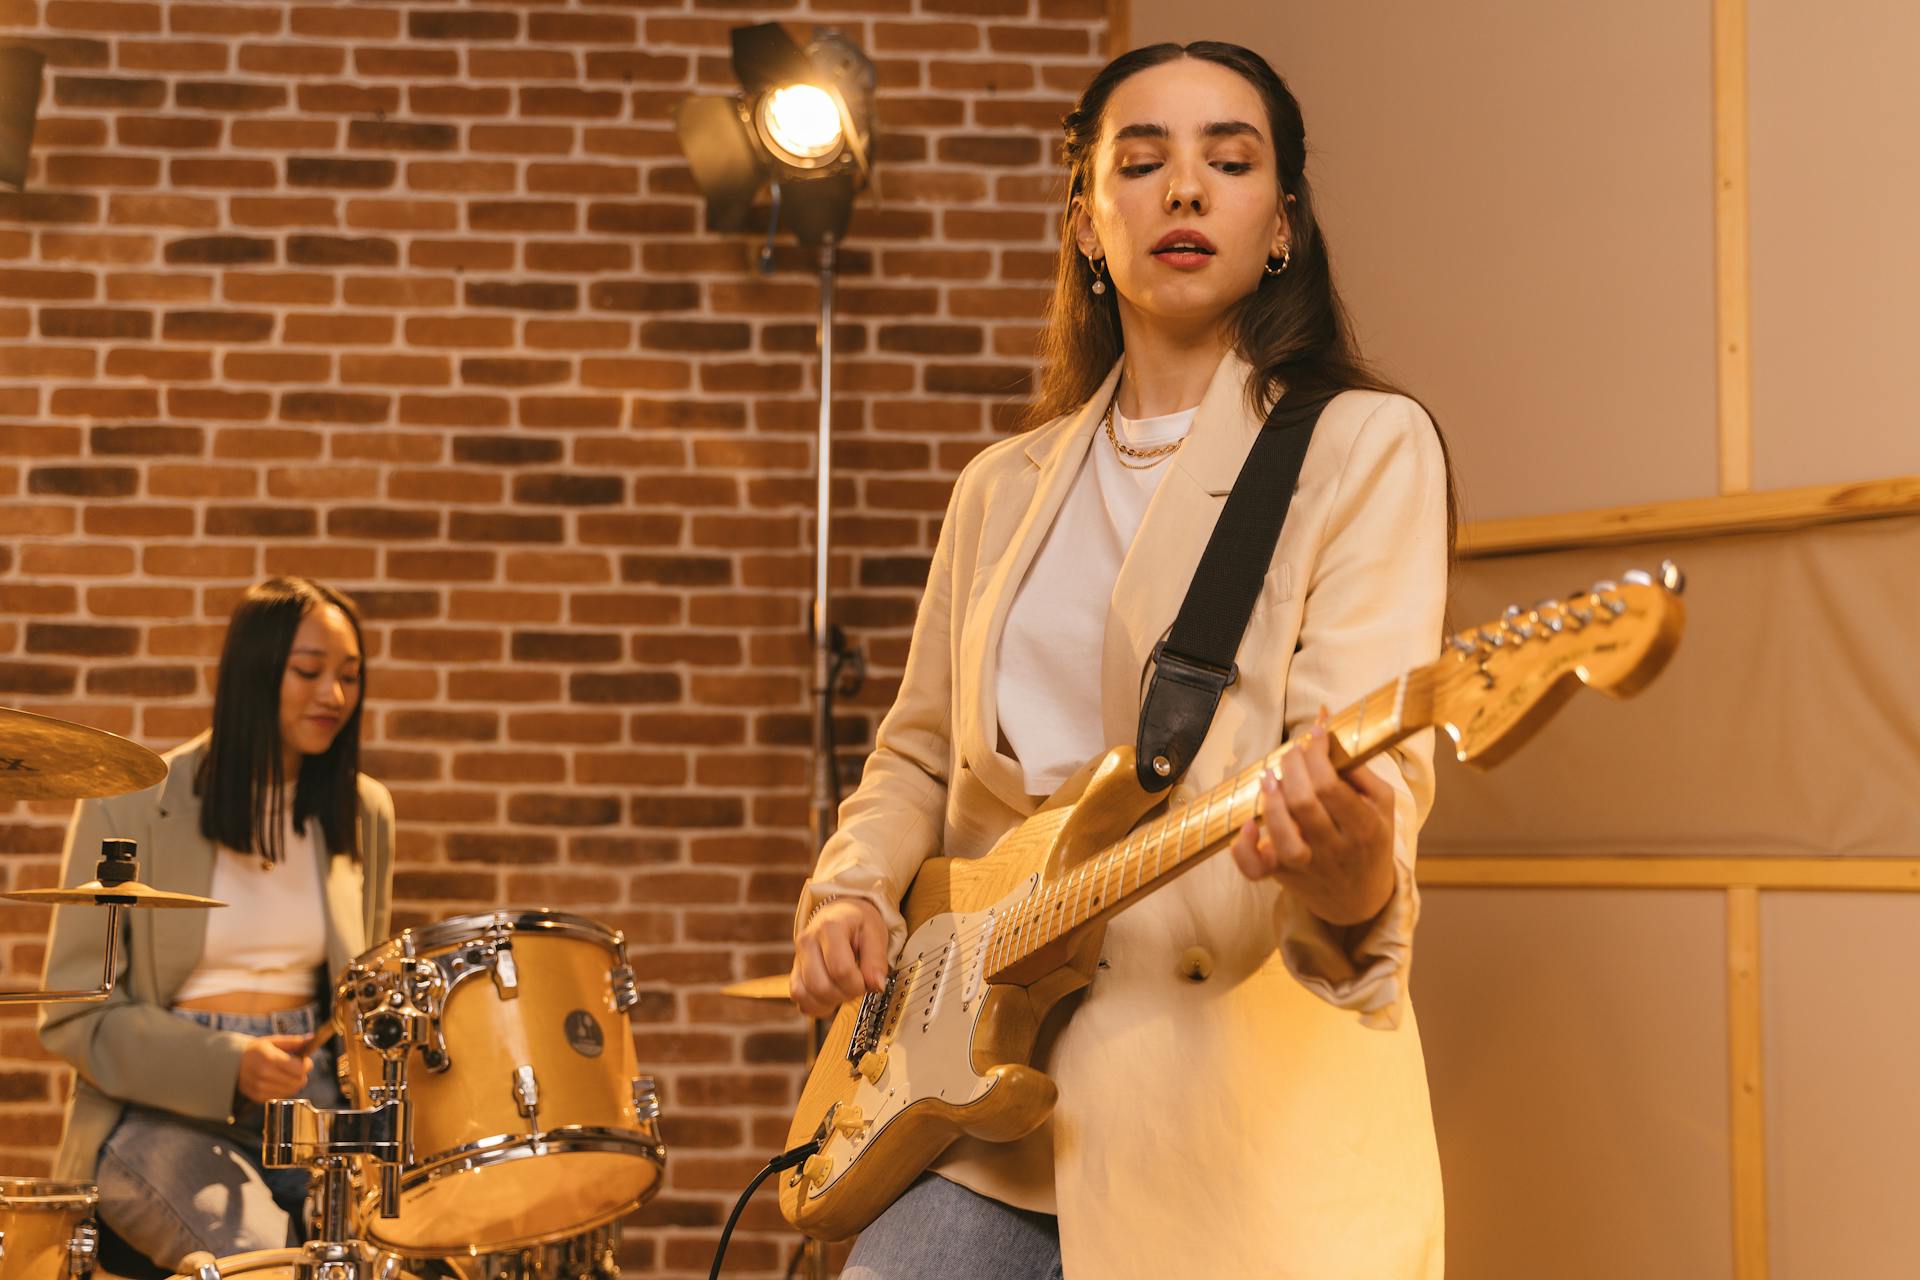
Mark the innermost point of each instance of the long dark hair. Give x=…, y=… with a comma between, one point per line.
x=242, y=780
x=1293, y=329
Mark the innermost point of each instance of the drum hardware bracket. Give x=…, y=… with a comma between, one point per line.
x=626, y=991
x=506, y=977
x=526, y=1093
x=83, y=1251
x=646, y=1100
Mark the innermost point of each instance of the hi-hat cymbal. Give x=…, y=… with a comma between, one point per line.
x=772, y=987
x=46, y=759
x=131, y=894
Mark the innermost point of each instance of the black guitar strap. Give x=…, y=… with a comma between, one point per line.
x=1194, y=665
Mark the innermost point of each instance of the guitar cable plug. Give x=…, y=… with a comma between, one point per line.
x=785, y=1160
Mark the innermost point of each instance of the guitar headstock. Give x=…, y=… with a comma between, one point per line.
x=1500, y=682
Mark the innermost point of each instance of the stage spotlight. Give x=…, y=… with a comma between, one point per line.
x=20, y=69
x=799, y=129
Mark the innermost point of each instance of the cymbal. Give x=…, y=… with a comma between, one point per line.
x=46, y=759
x=771, y=987
x=132, y=894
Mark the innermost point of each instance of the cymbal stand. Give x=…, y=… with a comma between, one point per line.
x=117, y=865
x=328, y=1141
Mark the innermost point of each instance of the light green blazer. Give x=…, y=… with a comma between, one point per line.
x=129, y=1049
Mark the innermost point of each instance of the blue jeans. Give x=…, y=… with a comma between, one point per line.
x=939, y=1230
x=170, y=1185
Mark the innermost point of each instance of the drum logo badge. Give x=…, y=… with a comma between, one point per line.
x=583, y=1033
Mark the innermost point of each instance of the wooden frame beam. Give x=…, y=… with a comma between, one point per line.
x=1890, y=875
x=1694, y=517
x=1733, y=296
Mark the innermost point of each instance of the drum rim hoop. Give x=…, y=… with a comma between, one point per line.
x=47, y=1193
x=455, y=929
x=505, y=1148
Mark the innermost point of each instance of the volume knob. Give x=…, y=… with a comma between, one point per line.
x=873, y=1064
x=816, y=1170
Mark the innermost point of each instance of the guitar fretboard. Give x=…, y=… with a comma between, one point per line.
x=1178, y=840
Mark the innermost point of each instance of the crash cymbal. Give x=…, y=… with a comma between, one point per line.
x=772, y=987
x=46, y=759
x=132, y=894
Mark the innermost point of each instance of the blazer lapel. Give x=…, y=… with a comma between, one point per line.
x=178, y=858
x=1056, y=458
x=1159, y=565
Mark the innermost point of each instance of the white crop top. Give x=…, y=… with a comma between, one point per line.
x=272, y=934
x=1048, y=687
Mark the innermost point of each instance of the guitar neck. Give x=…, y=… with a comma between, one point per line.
x=1180, y=839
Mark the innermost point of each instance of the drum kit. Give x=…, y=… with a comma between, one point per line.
x=496, y=1128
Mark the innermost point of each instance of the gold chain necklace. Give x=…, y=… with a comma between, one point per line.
x=1126, y=451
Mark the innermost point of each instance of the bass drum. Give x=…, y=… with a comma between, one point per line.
x=46, y=1229
x=279, y=1264
x=531, y=1122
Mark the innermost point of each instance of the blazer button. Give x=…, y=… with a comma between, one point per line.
x=1196, y=964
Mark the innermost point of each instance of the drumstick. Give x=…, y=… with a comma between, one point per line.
x=313, y=1042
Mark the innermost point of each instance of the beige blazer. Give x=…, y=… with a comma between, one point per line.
x=1270, y=1120
x=129, y=1048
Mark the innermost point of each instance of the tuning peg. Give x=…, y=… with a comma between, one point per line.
x=1464, y=644
x=1671, y=578
x=1491, y=639
x=1547, y=614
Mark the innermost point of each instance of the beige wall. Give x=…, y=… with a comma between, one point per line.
x=1521, y=203
x=1836, y=262
x=1525, y=247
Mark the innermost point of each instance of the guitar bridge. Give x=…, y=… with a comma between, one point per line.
x=868, y=1022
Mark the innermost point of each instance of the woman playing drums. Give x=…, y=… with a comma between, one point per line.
x=215, y=1013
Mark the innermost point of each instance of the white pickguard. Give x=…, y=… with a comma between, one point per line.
x=940, y=989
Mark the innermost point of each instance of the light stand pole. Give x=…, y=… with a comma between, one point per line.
x=825, y=776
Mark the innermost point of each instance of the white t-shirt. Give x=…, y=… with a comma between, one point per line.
x=272, y=933
x=1048, y=686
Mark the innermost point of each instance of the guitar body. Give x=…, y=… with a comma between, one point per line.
x=949, y=1055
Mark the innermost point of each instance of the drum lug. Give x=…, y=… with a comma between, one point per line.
x=506, y=978
x=646, y=1099
x=626, y=993
x=83, y=1251
x=526, y=1092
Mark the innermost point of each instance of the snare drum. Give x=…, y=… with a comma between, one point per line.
x=531, y=1121
x=280, y=1264
x=46, y=1228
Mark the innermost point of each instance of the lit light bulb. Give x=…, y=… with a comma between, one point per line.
x=802, y=120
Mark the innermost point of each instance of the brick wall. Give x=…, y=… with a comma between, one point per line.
x=415, y=299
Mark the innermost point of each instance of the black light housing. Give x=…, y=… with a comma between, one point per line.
x=801, y=127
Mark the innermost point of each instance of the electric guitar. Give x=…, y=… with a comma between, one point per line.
x=994, y=942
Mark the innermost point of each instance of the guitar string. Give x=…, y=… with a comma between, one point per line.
x=1124, y=855
x=1028, y=919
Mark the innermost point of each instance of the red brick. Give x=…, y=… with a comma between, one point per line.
x=172, y=55
x=162, y=211
x=349, y=99
x=104, y=402
x=464, y=175
x=521, y=139
x=276, y=366
x=300, y=288
x=347, y=22
x=282, y=135
x=284, y=211
x=396, y=371
x=455, y=411
x=403, y=215
x=458, y=100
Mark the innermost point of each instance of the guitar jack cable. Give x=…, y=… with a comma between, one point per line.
x=785, y=1160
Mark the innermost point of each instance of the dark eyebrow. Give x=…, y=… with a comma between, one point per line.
x=321, y=653
x=1217, y=129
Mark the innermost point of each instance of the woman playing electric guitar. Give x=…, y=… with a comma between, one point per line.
x=1241, y=1090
